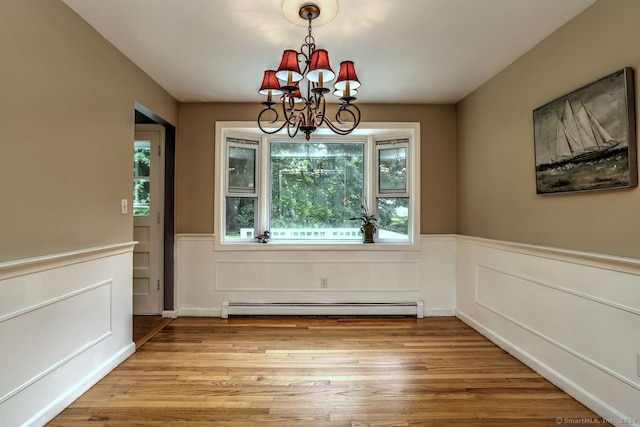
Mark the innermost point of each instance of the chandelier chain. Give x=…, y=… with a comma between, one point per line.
x=309, y=41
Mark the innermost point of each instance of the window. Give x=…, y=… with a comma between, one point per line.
x=306, y=192
x=141, y=177
x=241, y=195
x=315, y=189
x=393, y=188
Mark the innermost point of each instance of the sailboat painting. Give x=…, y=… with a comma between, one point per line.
x=586, y=140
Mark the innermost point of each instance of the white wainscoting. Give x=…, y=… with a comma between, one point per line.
x=205, y=278
x=571, y=316
x=65, y=322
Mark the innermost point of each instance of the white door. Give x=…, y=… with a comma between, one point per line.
x=148, y=205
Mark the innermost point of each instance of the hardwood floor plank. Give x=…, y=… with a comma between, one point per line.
x=321, y=372
x=145, y=327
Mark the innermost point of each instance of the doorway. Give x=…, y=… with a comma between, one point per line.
x=146, y=325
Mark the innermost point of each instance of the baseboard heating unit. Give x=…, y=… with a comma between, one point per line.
x=236, y=308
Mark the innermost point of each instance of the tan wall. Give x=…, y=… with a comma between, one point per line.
x=195, y=160
x=496, y=170
x=67, y=123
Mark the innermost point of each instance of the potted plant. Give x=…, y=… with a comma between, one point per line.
x=369, y=224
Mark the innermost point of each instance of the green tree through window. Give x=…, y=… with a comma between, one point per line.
x=315, y=185
x=141, y=177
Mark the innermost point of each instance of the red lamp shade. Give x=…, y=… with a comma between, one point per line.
x=347, y=78
x=270, y=83
x=319, y=68
x=289, y=69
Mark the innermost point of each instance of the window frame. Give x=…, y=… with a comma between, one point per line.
x=248, y=142
x=387, y=143
x=369, y=133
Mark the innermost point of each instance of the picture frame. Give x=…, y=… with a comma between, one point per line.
x=586, y=140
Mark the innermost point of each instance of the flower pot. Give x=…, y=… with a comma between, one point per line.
x=368, y=231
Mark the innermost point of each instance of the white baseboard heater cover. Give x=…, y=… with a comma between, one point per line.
x=236, y=308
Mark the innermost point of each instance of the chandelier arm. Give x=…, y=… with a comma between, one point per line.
x=301, y=108
x=337, y=130
x=320, y=110
x=294, y=116
x=344, y=108
x=296, y=122
x=286, y=109
x=271, y=121
x=291, y=108
x=294, y=133
x=355, y=115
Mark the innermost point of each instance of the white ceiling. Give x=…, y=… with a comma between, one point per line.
x=411, y=51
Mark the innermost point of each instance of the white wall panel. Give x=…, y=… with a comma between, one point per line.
x=574, y=317
x=307, y=276
x=22, y=366
x=267, y=273
x=264, y=276
x=380, y=276
x=195, y=291
x=65, y=321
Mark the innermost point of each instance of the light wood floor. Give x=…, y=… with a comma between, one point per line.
x=322, y=372
x=145, y=327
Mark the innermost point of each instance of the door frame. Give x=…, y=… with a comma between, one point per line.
x=145, y=115
x=152, y=221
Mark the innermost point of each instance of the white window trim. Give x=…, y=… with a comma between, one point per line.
x=378, y=130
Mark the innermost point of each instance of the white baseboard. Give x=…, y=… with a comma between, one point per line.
x=200, y=312
x=439, y=312
x=172, y=314
x=69, y=396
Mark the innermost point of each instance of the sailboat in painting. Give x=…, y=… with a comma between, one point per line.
x=580, y=136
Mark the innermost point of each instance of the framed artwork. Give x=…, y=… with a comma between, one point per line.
x=586, y=140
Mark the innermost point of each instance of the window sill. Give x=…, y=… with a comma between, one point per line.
x=292, y=245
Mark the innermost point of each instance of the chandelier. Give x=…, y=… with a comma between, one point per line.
x=307, y=113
